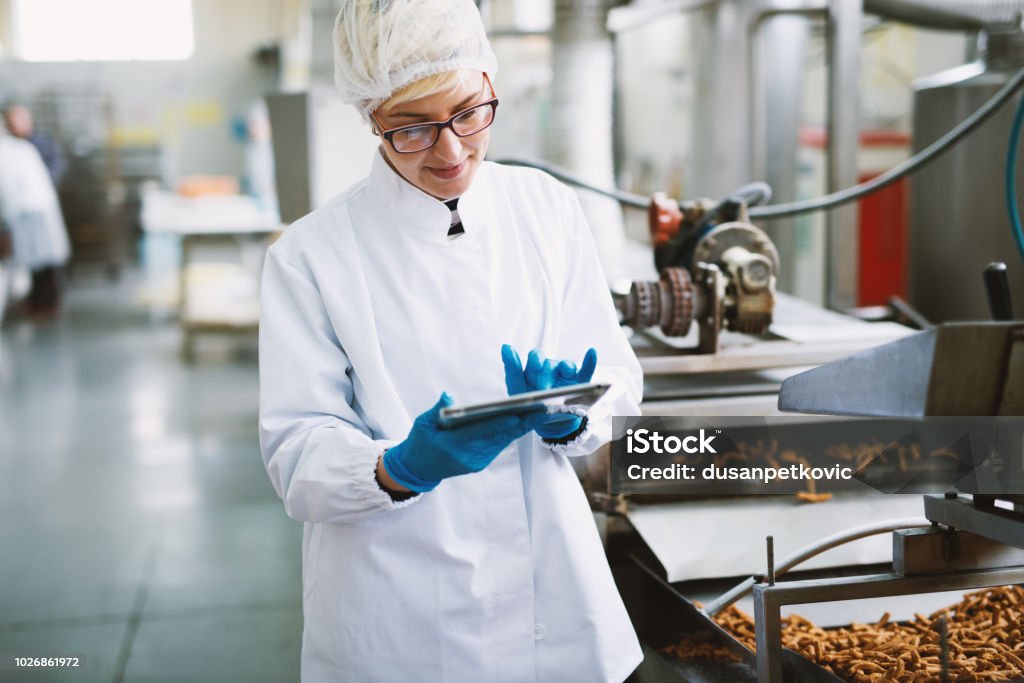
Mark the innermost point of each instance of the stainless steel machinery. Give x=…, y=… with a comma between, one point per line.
x=958, y=210
x=958, y=369
x=966, y=539
x=974, y=540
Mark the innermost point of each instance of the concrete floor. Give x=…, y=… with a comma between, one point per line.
x=137, y=526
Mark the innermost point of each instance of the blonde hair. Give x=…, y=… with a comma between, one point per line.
x=444, y=82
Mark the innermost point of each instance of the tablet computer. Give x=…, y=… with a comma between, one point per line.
x=576, y=396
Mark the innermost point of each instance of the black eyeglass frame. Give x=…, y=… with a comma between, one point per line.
x=438, y=126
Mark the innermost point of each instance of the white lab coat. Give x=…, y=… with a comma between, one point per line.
x=369, y=312
x=29, y=206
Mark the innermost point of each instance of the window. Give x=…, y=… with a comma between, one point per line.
x=533, y=15
x=102, y=30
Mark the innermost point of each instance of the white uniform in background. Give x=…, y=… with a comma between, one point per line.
x=369, y=312
x=29, y=206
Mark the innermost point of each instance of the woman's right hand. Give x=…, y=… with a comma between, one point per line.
x=430, y=454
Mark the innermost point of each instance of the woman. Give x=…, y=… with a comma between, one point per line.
x=462, y=555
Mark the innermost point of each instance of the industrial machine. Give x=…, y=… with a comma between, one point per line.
x=713, y=334
x=970, y=538
x=956, y=369
x=715, y=267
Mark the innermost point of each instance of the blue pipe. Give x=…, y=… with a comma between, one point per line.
x=1011, y=177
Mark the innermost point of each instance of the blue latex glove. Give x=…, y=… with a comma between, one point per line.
x=430, y=454
x=541, y=374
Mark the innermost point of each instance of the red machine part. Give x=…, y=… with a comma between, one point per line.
x=883, y=226
x=884, y=218
x=663, y=218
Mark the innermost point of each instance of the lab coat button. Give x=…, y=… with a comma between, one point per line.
x=538, y=631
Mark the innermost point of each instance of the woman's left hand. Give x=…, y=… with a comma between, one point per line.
x=540, y=374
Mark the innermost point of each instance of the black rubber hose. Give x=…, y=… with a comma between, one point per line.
x=754, y=193
x=627, y=198
x=850, y=194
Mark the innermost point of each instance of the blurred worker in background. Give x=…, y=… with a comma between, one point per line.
x=431, y=554
x=31, y=218
x=6, y=250
x=21, y=125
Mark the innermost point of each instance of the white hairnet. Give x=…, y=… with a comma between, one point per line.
x=380, y=46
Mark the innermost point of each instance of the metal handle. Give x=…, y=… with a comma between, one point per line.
x=997, y=287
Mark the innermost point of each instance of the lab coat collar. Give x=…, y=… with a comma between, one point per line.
x=415, y=209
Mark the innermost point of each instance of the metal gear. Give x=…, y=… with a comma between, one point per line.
x=667, y=303
x=676, y=282
x=644, y=304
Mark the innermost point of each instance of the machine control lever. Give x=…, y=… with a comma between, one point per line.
x=997, y=287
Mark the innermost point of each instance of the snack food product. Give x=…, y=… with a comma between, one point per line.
x=985, y=641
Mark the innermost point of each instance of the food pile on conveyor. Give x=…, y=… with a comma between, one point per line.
x=985, y=641
x=699, y=648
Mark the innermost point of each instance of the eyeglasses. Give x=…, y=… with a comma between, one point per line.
x=420, y=136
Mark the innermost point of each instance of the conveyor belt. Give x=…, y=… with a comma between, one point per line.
x=663, y=617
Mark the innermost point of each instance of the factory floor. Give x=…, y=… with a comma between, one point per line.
x=139, y=529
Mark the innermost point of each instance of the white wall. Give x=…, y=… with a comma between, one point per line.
x=187, y=105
